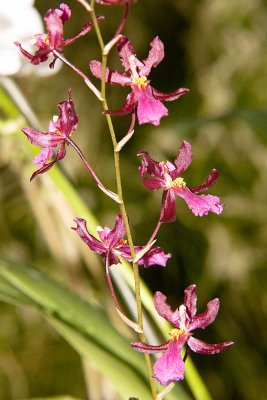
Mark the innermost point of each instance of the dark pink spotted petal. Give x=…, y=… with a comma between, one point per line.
x=127, y=107
x=190, y=300
x=113, y=77
x=207, y=184
x=43, y=139
x=206, y=318
x=149, y=109
x=155, y=56
x=183, y=159
x=170, y=366
x=201, y=347
x=117, y=233
x=87, y=238
x=148, y=348
x=168, y=207
x=200, y=204
x=151, y=167
x=169, y=96
x=46, y=167
x=162, y=307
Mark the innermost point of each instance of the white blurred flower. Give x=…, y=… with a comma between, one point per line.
x=19, y=21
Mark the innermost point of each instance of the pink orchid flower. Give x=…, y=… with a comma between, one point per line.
x=54, y=39
x=143, y=97
x=59, y=130
x=170, y=366
x=166, y=175
x=111, y=245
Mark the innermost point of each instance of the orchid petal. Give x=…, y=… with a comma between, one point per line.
x=168, y=207
x=148, y=348
x=183, y=159
x=169, y=96
x=206, y=318
x=201, y=347
x=190, y=300
x=85, y=29
x=200, y=204
x=117, y=233
x=127, y=53
x=54, y=26
x=90, y=240
x=42, y=139
x=149, y=109
x=46, y=167
x=43, y=157
x=170, y=366
x=154, y=256
x=127, y=107
x=153, y=184
x=68, y=120
x=162, y=307
x=208, y=182
x=155, y=56
x=113, y=77
x=150, y=166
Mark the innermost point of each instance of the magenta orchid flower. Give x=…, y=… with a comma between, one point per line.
x=111, y=245
x=170, y=366
x=143, y=97
x=166, y=175
x=53, y=40
x=59, y=130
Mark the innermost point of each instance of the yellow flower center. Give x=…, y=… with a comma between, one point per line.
x=47, y=41
x=176, y=333
x=141, y=82
x=178, y=182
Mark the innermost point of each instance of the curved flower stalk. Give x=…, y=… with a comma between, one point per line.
x=147, y=101
x=54, y=38
x=126, y=3
x=170, y=366
x=166, y=175
x=111, y=245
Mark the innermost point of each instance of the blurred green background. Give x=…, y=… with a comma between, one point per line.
x=218, y=50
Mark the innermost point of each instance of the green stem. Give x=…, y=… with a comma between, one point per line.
x=120, y=195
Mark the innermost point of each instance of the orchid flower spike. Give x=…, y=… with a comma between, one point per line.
x=166, y=175
x=170, y=366
x=144, y=98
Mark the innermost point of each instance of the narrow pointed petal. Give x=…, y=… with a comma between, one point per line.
x=183, y=159
x=170, y=366
x=113, y=77
x=153, y=184
x=67, y=121
x=169, y=96
x=117, y=233
x=190, y=300
x=148, y=348
x=168, y=207
x=149, y=109
x=127, y=107
x=200, y=204
x=162, y=307
x=127, y=53
x=208, y=182
x=150, y=166
x=154, y=256
x=46, y=167
x=54, y=26
x=155, y=56
x=201, y=347
x=85, y=29
x=206, y=318
x=41, y=138
x=88, y=239
x=43, y=157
